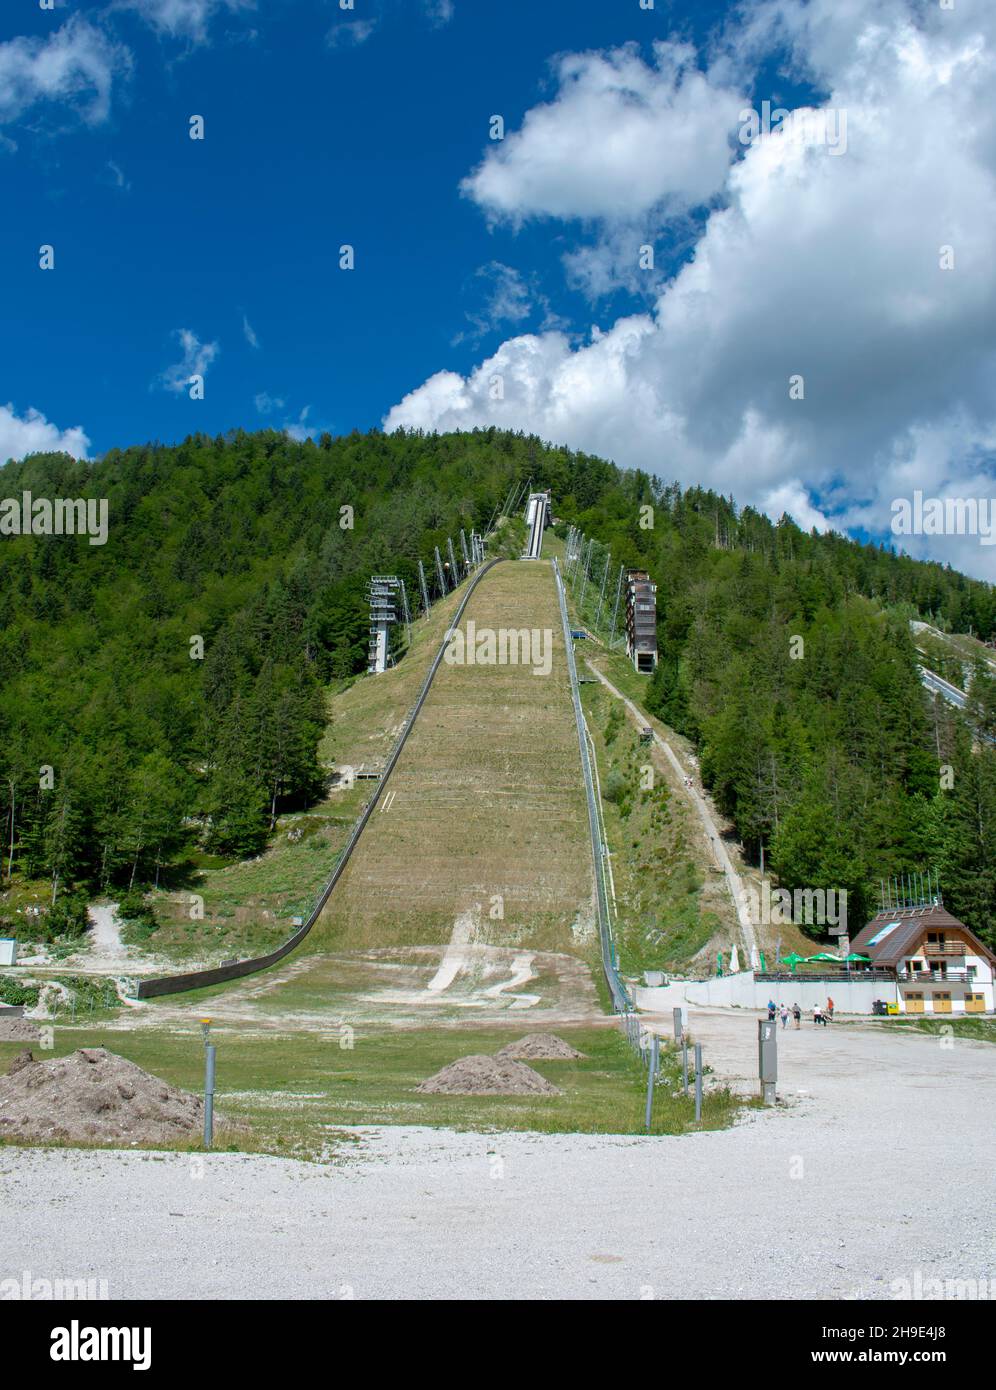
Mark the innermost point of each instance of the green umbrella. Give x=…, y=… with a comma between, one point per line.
x=793, y=958
x=823, y=955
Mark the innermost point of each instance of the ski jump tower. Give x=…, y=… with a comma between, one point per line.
x=537, y=519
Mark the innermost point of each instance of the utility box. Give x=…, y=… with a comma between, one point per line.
x=8, y=950
x=767, y=1058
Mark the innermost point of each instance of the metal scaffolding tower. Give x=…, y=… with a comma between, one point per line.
x=439, y=572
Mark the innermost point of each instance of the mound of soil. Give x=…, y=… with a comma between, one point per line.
x=94, y=1096
x=540, y=1047
x=18, y=1030
x=479, y=1075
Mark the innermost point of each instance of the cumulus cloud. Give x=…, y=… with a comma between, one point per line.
x=197, y=358
x=813, y=265
x=267, y=404
x=77, y=64
x=621, y=137
x=33, y=434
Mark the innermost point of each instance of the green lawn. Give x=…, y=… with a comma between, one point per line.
x=296, y=1090
x=977, y=1029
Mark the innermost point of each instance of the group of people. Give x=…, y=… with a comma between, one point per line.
x=822, y=1015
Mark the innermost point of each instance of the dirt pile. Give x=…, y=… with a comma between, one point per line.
x=540, y=1047
x=479, y=1075
x=93, y=1096
x=18, y=1030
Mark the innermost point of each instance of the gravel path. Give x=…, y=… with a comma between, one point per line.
x=880, y=1164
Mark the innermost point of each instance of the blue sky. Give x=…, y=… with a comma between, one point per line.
x=814, y=252
x=308, y=145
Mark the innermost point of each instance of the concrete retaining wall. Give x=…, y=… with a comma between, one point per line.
x=850, y=997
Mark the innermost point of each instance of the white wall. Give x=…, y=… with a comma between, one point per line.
x=742, y=990
x=8, y=951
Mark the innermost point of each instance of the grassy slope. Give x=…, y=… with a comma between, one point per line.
x=662, y=919
x=248, y=906
x=488, y=804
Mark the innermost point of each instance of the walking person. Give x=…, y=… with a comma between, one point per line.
x=784, y=1015
x=771, y=1010
x=817, y=1016
x=797, y=1015
x=830, y=1009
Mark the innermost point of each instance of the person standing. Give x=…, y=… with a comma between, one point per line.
x=784, y=1015
x=817, y=1016
x=797, y=1015
x=772, y=1006
x=830, y=1009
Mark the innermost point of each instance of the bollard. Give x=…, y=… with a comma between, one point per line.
x=208, y=1094
x=678, y=1030
x=698, y=1082
x=651, y=1076
x=767, y=1058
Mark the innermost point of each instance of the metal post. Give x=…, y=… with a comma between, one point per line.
x=466, y=555
x=424, y=587
x=407, y=613
x=684, y=1064
x=584, y=581
x=454, y=572
x=698, y=1082
x=439, y=570
x=654, y=1046
x=601, y=596
x=678, y=1030
x=615, y=610
x=209, y=1070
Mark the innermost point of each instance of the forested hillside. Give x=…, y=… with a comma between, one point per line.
x=830, y=760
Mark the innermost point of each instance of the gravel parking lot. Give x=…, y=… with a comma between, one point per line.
x=878, y=1165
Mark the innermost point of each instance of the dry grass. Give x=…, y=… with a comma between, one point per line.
x=487, y=825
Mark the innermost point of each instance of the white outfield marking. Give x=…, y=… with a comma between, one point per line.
x=388, y=802
x=455, y=957
x=522, y=970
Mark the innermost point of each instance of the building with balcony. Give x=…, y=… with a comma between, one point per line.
x=939, y=965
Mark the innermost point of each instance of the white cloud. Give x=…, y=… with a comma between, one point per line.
x=350, y=33
x=819, y=265
x=186, y=19
x=621, y=138
x=439, y=12
x=197, y=358
x=267, y=404
x=116, y=176
x=249, y=332
x=77, y=64
x=33, y=434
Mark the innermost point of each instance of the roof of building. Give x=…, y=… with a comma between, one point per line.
x=898, y=932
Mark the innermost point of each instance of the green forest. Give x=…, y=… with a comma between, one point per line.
x=164, y=694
